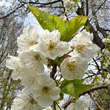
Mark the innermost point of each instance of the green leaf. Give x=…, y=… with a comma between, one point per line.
x=64, y=83
x=76, y=0
x=87, y=28
x=72, y=27
x=67, y=29
x=75, y=87
x=47, y=21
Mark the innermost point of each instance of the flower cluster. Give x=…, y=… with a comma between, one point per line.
x=70, y=5
x=104, y=57
x=102, y=80
x=106, y=40
x=83, y=51
x=34, y=52
x=40, y=91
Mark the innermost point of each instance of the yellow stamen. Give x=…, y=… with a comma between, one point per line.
x=37, y=57
x=70, y=66
x=51, y=46
x=45, y=89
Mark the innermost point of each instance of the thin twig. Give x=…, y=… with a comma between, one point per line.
x=12, y=12
x=86, y=92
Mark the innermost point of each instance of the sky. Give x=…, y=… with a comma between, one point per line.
x=2, y=2
x=5, y=2
x=31, y=20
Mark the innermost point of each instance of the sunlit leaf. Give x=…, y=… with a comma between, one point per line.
x=75, y=87
x=52, y=22
x=47, y=21
x=76, y=0
x=72, y=27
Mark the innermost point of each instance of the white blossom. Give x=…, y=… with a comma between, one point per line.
x=32, y=60
x=107, y=80
x=13, y=63
x=106, y=40
x=83, y=45
x=45, y=91
x=70, y=6
x=82, y=103
x=73, y=67
x=48, y=108
x=29, y=79
x=51, y=46
x=100, y=80
x=29, y=38
x=106, y=52
x=25, y=102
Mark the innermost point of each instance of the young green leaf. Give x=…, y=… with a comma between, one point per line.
x=47, y=21
x=72, y=27
x=51, y=22
x=76, y=0
x=75, y=87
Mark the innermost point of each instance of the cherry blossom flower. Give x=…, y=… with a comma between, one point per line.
x=13, y=63
x=45, y=91
x=29, y=38
x=32, y=60
x=106, y=40
x=83, y=45
x=82, y=103
x=74, y=67
x=29, y=79
x=70, y=6
x=51, y=46
x=25, y=102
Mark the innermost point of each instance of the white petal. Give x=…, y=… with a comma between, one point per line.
x=79, y=66
x=52, y=38
x=12, y=62
x=63, y=48
x=28, y=59
x=44, y=101
x=29, y=38
x=54, y=94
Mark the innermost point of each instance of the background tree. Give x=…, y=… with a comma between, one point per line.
x=10, y=28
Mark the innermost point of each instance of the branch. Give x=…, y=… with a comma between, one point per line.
x=49, y=7
x=65, y=105
x=98, y=8
x=100, y=29
x=49, y=3
x=97, y=65
x=12, y=12
x=94, y=89
x=38, y=3
x=87, y=8
x=97, y=105
x=54, y=69
x=86, y=92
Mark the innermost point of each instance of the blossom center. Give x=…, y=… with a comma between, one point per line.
x=32, y=101
x=37, y=58
x=70, y=66
x=80, y=48
x=32, y=43
x=51, y=46
x=17, y=68
x=45, y=89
